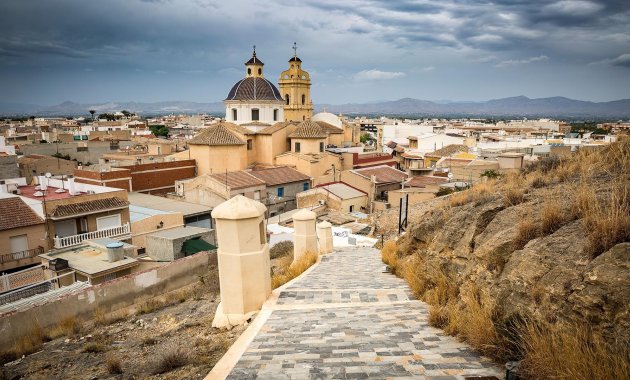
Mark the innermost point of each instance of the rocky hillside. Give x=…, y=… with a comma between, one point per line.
x=546, y=253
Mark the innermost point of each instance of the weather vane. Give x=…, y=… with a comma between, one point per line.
x=295, y=49
x=254, y=50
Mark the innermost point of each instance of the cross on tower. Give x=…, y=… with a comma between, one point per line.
x=295, y=49
x=254, y=50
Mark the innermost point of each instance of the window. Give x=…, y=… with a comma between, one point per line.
x=234, y=113
x=18, y=243
x=351, y=208
x=249, y=71
x=305, y=186
x=281, y=192
x=287, y=98
x=107, y=222
x=297, y=147
x=275, y=115
x=321, y=146
x=259, y=71
x=255, y=114
x=303, y=99
x=249, y=144
x=257, y=195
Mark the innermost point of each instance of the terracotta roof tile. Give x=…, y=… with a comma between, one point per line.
x=89, y=207
x=329, y=128
x=237, y=179
x=275, y=128
x=308, y=130
x=14, y=213
x=218, y=134
x=383, y=174
x=448, y=150
x=279, y=175
x=423, y=181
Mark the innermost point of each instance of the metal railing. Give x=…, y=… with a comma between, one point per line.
x=8, y=257
x=21, y=278
x=69, y=241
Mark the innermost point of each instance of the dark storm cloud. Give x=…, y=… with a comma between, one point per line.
x=188, y=40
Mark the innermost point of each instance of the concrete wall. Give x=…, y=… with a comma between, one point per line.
x=108, y=296
x=218, y=159
x=56, y=166
x=144, y=227
x=415, y=196
x=9, y=167
x=168, y=249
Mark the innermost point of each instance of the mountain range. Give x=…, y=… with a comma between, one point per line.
x=519, y=106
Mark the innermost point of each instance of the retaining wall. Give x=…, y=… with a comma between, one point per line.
x=109, y=296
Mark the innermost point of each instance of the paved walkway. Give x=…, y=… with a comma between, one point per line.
x=346, y=319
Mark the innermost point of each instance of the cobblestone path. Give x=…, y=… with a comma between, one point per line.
x=346, y=319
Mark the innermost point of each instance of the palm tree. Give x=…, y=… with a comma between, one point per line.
x=92, y=112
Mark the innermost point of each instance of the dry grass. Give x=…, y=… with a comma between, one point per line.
x=168, y=358
x=389, y=254
x=25, y=345
x=480, y=193
x=284, y=248
x=414, y=272
x=526, y=230
x=150, y=305
x=289, y=270
x=513, y=194
x=102, y=318
x=113, y=364
x=551, y=216
x=570, y=352
x=94, y=347
x=67, y=327
x=607, y=219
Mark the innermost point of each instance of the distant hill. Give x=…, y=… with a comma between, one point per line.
x=518, y=106
x=76, y=109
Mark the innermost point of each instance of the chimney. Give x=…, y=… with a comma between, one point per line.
x=43, y=183
x=71, y=188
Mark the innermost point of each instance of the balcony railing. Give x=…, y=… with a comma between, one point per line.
x=69, y=241
x=8, y=257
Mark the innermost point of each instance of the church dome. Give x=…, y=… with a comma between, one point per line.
x=254, y=88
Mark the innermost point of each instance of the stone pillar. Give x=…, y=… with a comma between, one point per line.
x=243, y=258
x=304, y=238
x=325, y=237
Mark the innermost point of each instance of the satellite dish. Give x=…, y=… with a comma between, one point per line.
x=47, y=175
x=450, y=175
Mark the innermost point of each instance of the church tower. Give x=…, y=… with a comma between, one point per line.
x=295, y=87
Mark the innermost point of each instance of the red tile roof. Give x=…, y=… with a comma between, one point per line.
x=423, y=181
x=279, y=175
x=237, y=180
x=89, y=207
x=383, y=174
x=14, y=213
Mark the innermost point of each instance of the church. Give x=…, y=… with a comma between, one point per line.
x=267, y=126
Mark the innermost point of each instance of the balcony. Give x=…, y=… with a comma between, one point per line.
x=121, y=232
x=15, y=256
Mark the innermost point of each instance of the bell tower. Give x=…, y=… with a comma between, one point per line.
x=295, y=87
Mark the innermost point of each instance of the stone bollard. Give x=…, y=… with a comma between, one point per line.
x=325, y=237
x=243, y=258
x=304, y=238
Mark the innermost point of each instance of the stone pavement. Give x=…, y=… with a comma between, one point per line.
x=346, y=319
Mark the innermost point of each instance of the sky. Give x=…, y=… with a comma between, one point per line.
x=356, y=51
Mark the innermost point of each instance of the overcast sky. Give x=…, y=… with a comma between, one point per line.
x=356, y=51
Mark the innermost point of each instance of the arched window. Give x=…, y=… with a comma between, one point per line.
x=275, y=115
x=259, y=71
x=287, y=98
x=303, y=99
x=234, y=113
x=249, y=71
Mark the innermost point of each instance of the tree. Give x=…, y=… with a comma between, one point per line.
x=366, y=138
x=92, y=112
x=159, y=130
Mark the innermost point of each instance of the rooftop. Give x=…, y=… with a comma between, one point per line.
x=14, y=213
x=342, y=190
x=279, y=175
x=137, y=213
x=88, y=207
x=449, y=150
x=90, y=260
x=423, y=181
x=180, y=232
x=308, y=130
x=383, y=174
x=166, y=204
x=219, y=134
x=237, y=179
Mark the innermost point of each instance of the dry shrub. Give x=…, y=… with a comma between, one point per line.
x=94, y=347
x=607, y=221
x=288, y=271
x=570, y=352
x=513, y=195
x=102, y=318
x=551, y=217
x=475, y=323
x=443, y=290
x=460, y=198
x=537, y=180
x=526, y=230
x=67, y=327
x=389, y=254
x=113, y=364
x=284, y=248
x=150, y=305
x=25, y=345
x=168, y=358
x=414, y=272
